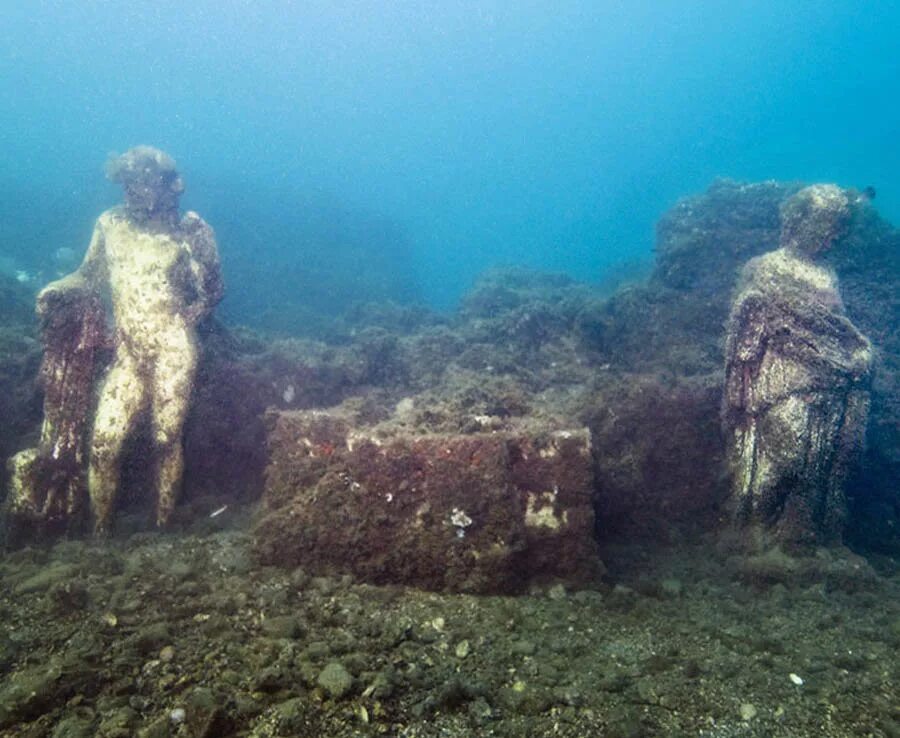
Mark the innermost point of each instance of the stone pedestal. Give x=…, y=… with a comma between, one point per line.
x=482, y=512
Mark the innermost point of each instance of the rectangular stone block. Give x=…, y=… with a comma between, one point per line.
x=482, y=512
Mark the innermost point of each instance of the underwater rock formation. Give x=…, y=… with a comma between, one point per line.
x=642, y=367
x=479, y=512
x=658, y=453
x=658, y=352
x=797, y=378
x=160, y=274
x=20, y=359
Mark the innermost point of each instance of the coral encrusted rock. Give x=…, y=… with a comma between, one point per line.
x=482, y=512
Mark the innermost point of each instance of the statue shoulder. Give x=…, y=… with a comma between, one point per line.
x=200, y=237
x=761, y=265
x=780, y=272
x=192, y=222
x=197, y=231
x=111, y=216
x=756, y=275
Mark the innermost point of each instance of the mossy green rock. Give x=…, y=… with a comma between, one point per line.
x=75, y=726
x=46, y=578
x=335, y=680
x=285, y=626
x=119, y=723
x=152, y=638
x=29, y=693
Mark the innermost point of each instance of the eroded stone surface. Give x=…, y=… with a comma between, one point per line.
x=797, y=379
x=484, y=512
x=158, y=272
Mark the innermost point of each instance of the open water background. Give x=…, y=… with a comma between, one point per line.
x=361, y=149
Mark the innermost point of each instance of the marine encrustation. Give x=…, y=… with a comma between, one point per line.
x=796, y=394
x=158, y=275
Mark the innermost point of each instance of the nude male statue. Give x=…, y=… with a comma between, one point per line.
x=159, y=274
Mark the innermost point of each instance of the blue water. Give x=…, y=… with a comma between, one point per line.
x=435, y=139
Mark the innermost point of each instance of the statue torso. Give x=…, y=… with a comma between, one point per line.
x=149, y=274
x=805, y=342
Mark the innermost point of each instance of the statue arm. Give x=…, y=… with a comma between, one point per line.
x=807, y=334
x=840, y=345
x=844, y=330
x=88, y=278
x=746, y=341
x=205, y=267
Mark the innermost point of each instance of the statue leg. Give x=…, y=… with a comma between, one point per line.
x=767, y=453
x=758, y=472
x=122, y=397
x=171, y=395
x=784, y=441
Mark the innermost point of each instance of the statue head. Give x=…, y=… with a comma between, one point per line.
x=151, y=183
x=814, y=218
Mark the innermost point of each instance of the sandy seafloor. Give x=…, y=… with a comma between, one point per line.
x=182, y=634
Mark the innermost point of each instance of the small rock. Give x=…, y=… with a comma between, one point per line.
x=671, y=587
x=151, y=638
x=180, y=569
x=299, y=577
x=75, y=726
x=557, y=592
x=289, y=715
x=646, y=690
x=335, y=680
x=159, y=728
x=625, y=722
x=381, y=687
x=167, y=654
x=480, y=710
x=68, y=597
x=119, y=723
x=29, y=694
x=324, y=585
x=286, y=626
x=895, y=627
x=524, y=648
x=462, y=649
x=748, y=712
x=271, y=679
x=206, y=717
x=318, y=651
x=44, y=579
